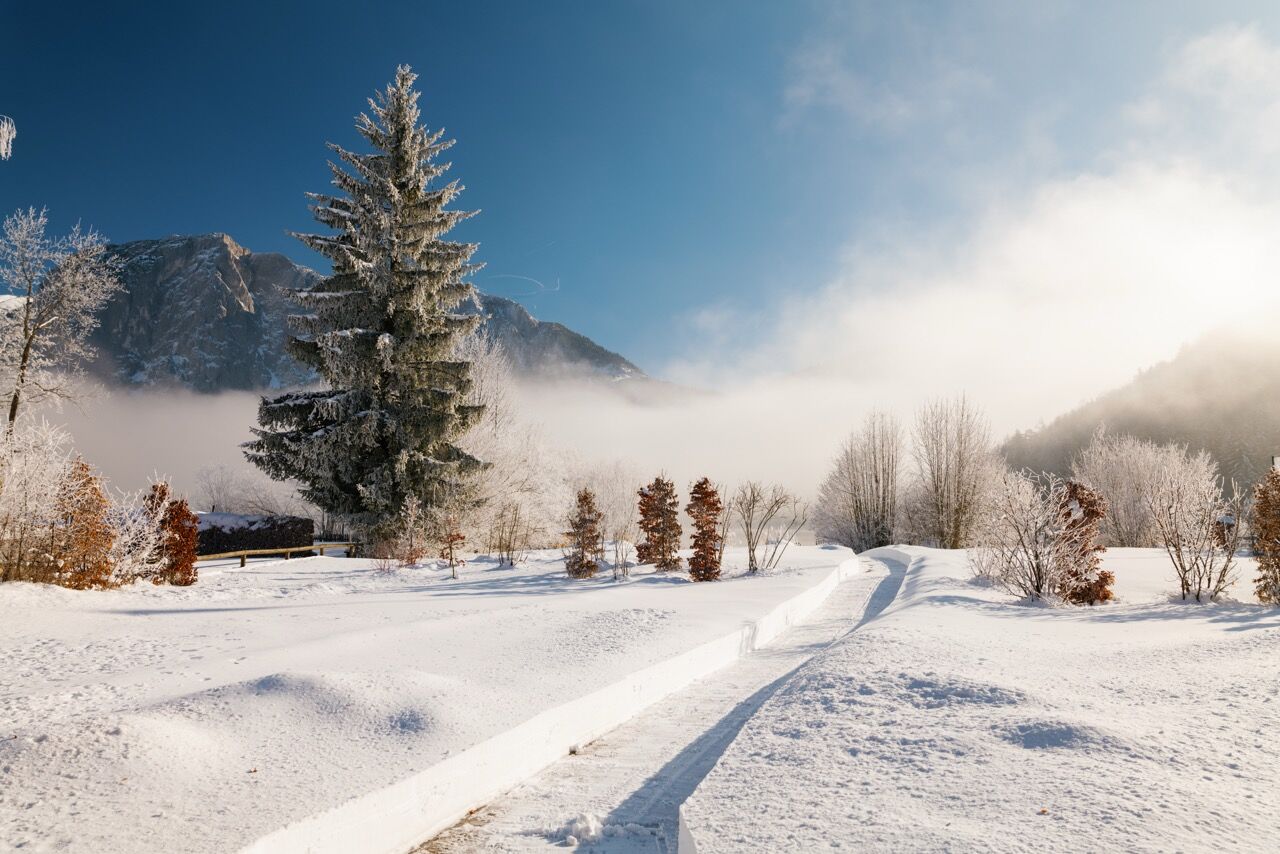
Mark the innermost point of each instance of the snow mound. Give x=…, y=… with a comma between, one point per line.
x=1054, y=735
x=932, y=691
x=586, y=828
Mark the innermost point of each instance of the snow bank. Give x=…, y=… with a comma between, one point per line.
x=961, y=720
x=282, y=694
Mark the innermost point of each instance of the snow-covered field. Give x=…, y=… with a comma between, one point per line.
x=202, y=718
x=961, y=720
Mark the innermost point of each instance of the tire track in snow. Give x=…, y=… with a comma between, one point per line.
x=622, y=793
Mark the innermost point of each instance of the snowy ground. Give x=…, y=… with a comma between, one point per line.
x=959, y=719
x=198, y=719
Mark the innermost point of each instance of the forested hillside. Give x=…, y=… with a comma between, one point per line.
x=1220, y=393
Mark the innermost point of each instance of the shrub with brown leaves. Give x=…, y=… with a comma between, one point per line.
x=705, y=509
x=660, y=524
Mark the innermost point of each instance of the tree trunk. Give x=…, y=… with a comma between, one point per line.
x=17, y=386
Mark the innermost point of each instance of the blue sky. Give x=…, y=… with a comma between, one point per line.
x=672, y=173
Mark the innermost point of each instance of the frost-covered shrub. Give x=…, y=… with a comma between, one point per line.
x=33, y=462
x=1038, y=538
x=138, y=536
x=1197, y=522
x=615, y=486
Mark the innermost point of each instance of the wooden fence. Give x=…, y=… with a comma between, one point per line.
x=245, y=554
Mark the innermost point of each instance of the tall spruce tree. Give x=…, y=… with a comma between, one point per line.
x=382, y=332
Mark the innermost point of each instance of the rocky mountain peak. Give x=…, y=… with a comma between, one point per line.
x=204, y=312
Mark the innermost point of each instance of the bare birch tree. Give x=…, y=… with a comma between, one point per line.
x=59, y=284
x=858, y=501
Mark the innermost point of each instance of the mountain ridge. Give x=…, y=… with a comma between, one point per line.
x=206, y=313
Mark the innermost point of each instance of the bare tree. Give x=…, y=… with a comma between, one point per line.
x=59, y=285
x=725, y=523
x=955, y=464
x=779, y=536
x=858, y=501
x=757, y=505
x=1197, y=523
x=219, y=488
x=510, y=534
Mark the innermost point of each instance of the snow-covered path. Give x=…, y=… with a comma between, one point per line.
x=622, y=792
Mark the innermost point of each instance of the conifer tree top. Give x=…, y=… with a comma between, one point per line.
x=383, y=331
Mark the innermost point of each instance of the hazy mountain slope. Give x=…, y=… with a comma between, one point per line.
x=1221, y=393
x=204, y=312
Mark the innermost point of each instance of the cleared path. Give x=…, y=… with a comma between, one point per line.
x=622, y=792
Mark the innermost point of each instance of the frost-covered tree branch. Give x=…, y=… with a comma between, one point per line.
x=54, y=287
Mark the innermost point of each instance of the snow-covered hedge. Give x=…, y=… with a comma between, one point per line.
x=231, y=532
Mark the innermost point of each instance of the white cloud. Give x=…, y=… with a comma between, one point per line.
x=1219, y=102
x=1041, y=301
x=1051, y=296
x=822, y=76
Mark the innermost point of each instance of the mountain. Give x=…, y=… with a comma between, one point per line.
x=1220, y=394
x=203, y=312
